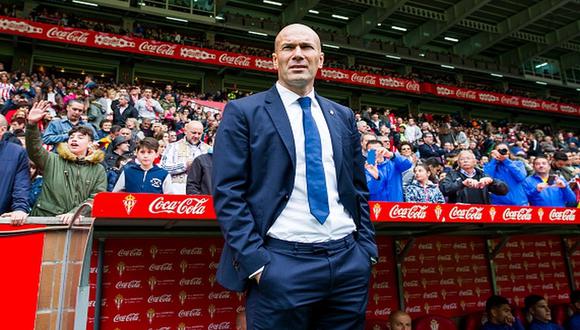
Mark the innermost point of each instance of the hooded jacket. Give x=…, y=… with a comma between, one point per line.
x=69, y=180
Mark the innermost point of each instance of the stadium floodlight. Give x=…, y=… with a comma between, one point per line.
x=451, y=39
x=176, y=19
x=422, y=54
x=331, y=46
x=344, y=18
x=541, y=65
x=379, y=24
x=312, y=11
x=273, y=3
x=398, y=28
x=497, y=75
x=220, y=18
x=393, y=57
x=541, y=83
x=447, y=66
x=258, y=33
x=86, y=3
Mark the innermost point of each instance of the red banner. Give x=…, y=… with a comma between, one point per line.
x=532, y=265
x=472, y=213
x=446, y=276
x=498, y=99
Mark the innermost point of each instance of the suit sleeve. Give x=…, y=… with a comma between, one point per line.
x=231, y=168
x=366, y=230
x=21, y=185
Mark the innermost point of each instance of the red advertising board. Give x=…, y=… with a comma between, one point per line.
x=447, y=276
x=532, y=265
x=93, y=39
x=573, y=246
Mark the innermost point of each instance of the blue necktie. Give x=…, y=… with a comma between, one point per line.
x=315, y=180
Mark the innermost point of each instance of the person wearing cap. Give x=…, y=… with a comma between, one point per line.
x=119, y=147
x=537, y=307
x=499, y=315
x=512, y=172
x=574, y=321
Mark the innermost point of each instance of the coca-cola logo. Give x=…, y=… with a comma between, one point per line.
x=410, y=284
x=189, y=313
x=544, y=265
x=460, y=246
x=466, y=94
x=555, y=254
x=464, y=269
x=520, y=288
x=413, y=309
x=521, y=214
x=383, y=312
x=130, y=253
x=238, y=60
x=430, y=295
x=417, y=212
x=482, y=279
x=562, y=215
x=559, y=275
x=72, y=35
x=531, y=276
x=472, y=213
x=413, y=86
x=449, y=307
x=213, y=265
x=448, y=281
x=528, y=255
x=515, y=266
x=477, y=257
x=131, y=317
x=550, y=106
x=191, y=252
x=425, y=246
x=188, y=206
x=219, y=326
x=381, y=285
x=161, y=49
x=363, y=79
x=196, y=281
x=444, y=257
x=166, y=267
x=164, y=298
x=466, y=293
x=218, y=295
x=332, y=74
x=135, y=284
x=430, y=270
x=510, y=100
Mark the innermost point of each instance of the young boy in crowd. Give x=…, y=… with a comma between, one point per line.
x=143, y=176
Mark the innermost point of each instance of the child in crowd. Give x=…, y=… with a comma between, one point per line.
x=144, y=176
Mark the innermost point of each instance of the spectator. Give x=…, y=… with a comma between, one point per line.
x=199, y=175
x=512, y=172
x=534, y=147
x=429, y=149
x=114, y=173
x=544, y=189
x=106, y=140
x=96, y=112
x=35, y=183
x=469, y=184
x=548, y=145
x=105, y=128
x=399, y=320
x=365, y=138
x=499, y=315
x=122, y=111
x=119, y=147
x=376, y=123
x=144, y=176
x=71, y=177
x=421, y=190
x=435, y=167
x=537, y=307
x=363, y=127
x=412, y=132
x=58, y=129
x=147, y=106
x=6, y=87
x=14, y=179
x=560, y=166
x=385, y=177
x=179, y=156
x=574, y=321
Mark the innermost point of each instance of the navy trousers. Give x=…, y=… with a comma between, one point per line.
x=311, y=286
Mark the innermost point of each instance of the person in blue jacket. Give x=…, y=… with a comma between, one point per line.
x=544, y=189
x=499, y=315
x=14, y=179
x=574, y=321
x=537, y=307
x=144, y=176
x=385, y=176
x=512, y=172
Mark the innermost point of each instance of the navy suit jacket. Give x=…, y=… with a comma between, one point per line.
x=253, y=176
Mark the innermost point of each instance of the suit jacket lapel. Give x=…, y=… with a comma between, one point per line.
x=332, y=121
x=277, y=113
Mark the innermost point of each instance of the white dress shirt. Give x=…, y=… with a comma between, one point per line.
x=296, y=223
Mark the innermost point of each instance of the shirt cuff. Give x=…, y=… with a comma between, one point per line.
x=254, y=274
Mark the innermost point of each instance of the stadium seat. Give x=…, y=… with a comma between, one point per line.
x=474, y=321
x=560, y=313
x=433, y=322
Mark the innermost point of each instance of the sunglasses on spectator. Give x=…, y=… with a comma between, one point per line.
x=405, y=148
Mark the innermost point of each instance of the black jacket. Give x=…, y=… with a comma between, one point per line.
x=120, y=119
x=452, y=187
x=199, y=176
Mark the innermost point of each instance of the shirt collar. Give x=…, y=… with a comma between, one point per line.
x=288, y=97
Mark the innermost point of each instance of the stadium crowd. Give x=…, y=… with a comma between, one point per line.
x=424, y=158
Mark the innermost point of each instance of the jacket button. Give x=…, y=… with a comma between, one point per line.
x=286, y=197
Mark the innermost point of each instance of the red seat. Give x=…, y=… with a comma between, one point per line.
x=474, y=321
x=560, y=313
x=521, y=314
x=433, y=322
x=376, y=324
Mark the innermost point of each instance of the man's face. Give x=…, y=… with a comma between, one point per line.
x=124, y=147
x=107, y=127
x=375, y=117
x=541, y=166
x=15, y=125
x=74, y=111
x=411, y=121
x=363, y=127
x=560, y=163
x=428, y=139
x=366, y=138
x=297, y=57
x=541, y=311
x=401, y=322
x=147, y=93
x=501, y=314
x=123, y=101
x=78, y=143
x=172, y=136
x=466, y=161
x=193, y=134
x=126, y=133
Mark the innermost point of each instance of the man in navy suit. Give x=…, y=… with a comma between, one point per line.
x=291, y=198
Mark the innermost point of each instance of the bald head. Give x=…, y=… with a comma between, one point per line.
x=399, y=320
x=297, y=57
x=193, y=132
